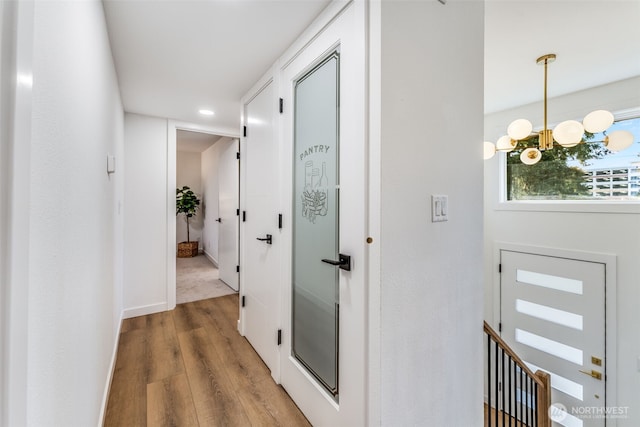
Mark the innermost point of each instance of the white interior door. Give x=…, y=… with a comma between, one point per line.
x=228, y=203
x=323, y=358
x=553, y=315
x=261, y=242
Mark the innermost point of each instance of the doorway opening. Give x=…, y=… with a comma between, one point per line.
x=207, y=164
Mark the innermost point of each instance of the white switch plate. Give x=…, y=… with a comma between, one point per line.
x=111, y=164
x=439, y=208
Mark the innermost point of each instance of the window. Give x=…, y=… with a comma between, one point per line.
x=588, y=171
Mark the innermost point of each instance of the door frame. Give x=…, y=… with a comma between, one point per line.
x=236, y=143
x=173, y=126
x=611, y=328
x=357, y=126
x=267, y=79
x=370, y=28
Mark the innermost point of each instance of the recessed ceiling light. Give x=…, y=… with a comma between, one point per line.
x=206, y=112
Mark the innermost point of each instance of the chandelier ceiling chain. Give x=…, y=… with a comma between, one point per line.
x=567, y=134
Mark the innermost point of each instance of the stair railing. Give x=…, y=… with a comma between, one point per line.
x=515, y=394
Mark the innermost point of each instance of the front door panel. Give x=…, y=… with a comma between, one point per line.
x=553, y=316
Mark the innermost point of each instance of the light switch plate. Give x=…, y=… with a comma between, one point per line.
x=111, y=164
x=439, y=208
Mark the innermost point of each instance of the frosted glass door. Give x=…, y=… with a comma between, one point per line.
x=315, y=296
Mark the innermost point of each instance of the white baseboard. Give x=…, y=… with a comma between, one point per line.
x=144, y=310
x=107, y=388
x=212, y=259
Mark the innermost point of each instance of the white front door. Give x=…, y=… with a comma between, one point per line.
x=323, y=358
x=553, y=316
x=228, y=203
x=261, y=243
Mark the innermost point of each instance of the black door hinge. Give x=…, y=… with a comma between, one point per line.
x=237, y=212
x=500, y=327
x=244, y=216
x=238, y=155
x=499, y=268
x=237, y=269
x=244, y=131
x=281, y=105
x=279, y=336
x=280, y=221
x=243, y=301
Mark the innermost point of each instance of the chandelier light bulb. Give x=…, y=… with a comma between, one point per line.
x=618, y=140
x=530, y=156
x=571, y=145
x=568, y=133
x=506, y=144
x=597, y=121
x=489, y=150
x=519, y=129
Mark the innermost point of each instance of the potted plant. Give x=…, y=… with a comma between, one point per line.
x=187, y=203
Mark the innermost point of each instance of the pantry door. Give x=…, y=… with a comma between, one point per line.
x=323, y=359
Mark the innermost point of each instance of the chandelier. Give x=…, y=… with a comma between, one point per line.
x=566, y=134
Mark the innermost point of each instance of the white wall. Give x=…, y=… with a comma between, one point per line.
x=69, y=230
x=145, y=225
x=188, y=172
x=431, y=133
x=605, y=232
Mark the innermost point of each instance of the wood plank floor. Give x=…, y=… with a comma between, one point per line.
x=190, y=367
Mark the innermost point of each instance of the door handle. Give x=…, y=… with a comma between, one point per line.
x=219, y=220
x=593, y=374
x=266, y=239
x=344, y=262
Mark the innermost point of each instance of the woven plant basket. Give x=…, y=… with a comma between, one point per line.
x=187, y=249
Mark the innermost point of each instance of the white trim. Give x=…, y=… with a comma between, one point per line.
x=374, y=111
x=172, y=127
x=313, y=31
x=107, y=387
x=611, y=303
x=264, y=81
x=143, y=310
x=580, y=206
x=211, y=258
x=15, y=336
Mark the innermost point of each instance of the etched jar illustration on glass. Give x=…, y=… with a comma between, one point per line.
x=316, y=192
x=322, y=187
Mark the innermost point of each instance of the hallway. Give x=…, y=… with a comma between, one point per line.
x=190, y=367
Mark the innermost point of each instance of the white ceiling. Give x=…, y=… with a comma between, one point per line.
x=194, y=142
x=597, y=42
x=176, y=57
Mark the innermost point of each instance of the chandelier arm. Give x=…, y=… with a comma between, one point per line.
x=545, y=94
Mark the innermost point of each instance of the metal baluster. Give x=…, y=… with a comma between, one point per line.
x=515, y=391
x=528, y=380
x=522, y=415
x=503, y=377
x=496, y=383
x=535, y=411
x=510, y=387
x=489, y=379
